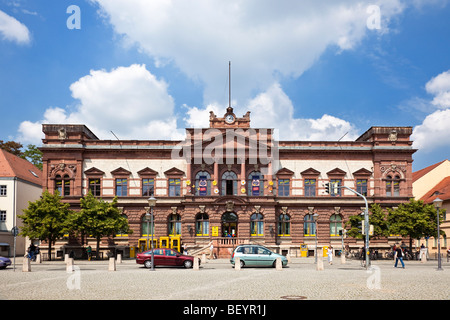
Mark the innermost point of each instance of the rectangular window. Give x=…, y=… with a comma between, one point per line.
x=361, y=186
x=95, y=187
x=121, y=187
x=283, y=187
x=2, y=191
x=174, y=187
x=335, y=187
x=310, y=187
x=2, y=215
x=148, y=187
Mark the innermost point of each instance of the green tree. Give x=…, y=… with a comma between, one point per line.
x=377, y=218
x=46, y=219
x=12, y=147
x=414, y=219
x=98, y=218
x=34, y=155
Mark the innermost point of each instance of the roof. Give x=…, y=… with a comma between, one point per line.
x=15, y=167
x=441, y=191
x=419, y=174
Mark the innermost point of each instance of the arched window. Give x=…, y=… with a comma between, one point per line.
x=393, y=186
x=202, y=183
x=309, y=226
x=229, y=183
x=202, y=224
x=284, y=225
x=121, y=233
x=256, y=224
x=62, y=184
x=229, y=224
x=174, y=224
x=335, y=224
x=146, y=226
x=255, y=184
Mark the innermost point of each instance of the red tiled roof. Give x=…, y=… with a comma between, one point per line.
x=419, y=174
x=441, y=191
x=13, y=166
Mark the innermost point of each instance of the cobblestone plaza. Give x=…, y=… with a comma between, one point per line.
x=218, y=280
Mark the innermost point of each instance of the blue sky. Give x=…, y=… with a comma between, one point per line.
x=148, y=69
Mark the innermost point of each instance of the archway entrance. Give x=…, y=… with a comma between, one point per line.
x=229, y=224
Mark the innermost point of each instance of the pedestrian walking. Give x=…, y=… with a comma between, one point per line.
x=399, y=256
x=330, y=255
x=211, y=253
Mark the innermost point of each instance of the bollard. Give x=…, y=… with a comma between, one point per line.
x=69, y=265
x=26, y=266
x=119, y=258
x=279, y=265
x=196, y=264
x=343, y=258
x=288, y=257
x=204, y=258
x=112, y=264
x=237, y=263
x=66, y=257
x=38, y=258
x=319, y=266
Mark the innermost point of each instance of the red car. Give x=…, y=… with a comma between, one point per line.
x=165, y=257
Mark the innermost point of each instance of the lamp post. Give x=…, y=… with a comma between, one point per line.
x=315, y=217
x=151, y=203
x=437, y=204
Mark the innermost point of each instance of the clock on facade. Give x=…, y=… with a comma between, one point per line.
x=229, y=118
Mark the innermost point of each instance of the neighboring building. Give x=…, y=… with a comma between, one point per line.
x=231, y=183
x=428, y=184
x=20, y=182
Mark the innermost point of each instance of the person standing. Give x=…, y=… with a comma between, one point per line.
x=399, y=256
x=330, y=255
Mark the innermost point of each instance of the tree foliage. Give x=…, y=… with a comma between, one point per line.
x=413, y=219
x=46, y=219
x=98, y=218
x=31, y=153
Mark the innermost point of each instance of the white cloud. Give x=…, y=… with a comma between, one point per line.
x=264, y=39
x=274, y=109
x=432, y=133
x=13, y=30
x=129, y=101
x=439, y=86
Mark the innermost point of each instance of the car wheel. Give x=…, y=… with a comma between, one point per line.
x=148, y=264
x=188, y=264
x=242, y=263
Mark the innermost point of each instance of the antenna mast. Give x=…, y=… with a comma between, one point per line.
x=229, y=84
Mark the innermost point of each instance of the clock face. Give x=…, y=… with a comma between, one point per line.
x=229, y=118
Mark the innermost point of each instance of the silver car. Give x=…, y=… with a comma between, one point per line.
x=256, y=255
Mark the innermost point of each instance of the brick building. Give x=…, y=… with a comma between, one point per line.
x=231, y=183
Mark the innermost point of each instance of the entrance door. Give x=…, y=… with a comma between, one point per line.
x=229, y=224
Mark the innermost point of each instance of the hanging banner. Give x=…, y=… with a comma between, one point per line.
x=255, y=185
x=203, y=186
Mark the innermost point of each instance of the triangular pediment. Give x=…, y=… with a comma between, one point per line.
x=147, y=172
x=362, y=172
x=310, y=172
x=336, y=172
x=120, y=171
x=285, y=171
x=94, y=172
x=240, y=139
x=174, y=172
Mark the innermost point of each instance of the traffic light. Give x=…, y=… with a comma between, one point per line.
x=328, y=188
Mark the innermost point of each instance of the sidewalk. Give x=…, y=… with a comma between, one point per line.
x=217, y=280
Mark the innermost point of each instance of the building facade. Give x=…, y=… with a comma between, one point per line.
x=428, y=184
x=231, y=183
x=20, y=182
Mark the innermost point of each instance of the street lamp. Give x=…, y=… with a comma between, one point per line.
x=315, y=217
x=151, y=203
x=437, y=204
